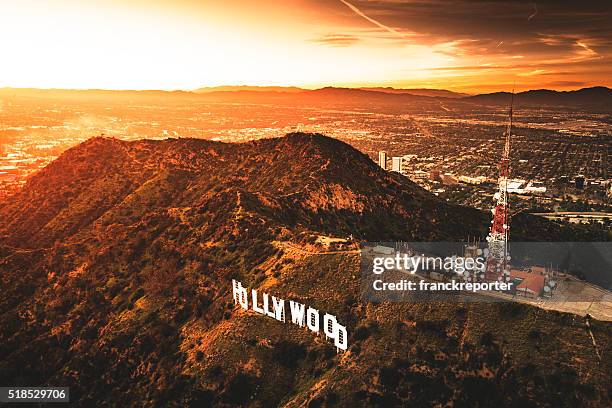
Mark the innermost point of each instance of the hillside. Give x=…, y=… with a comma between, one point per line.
x=301, y=182
x=117, y=262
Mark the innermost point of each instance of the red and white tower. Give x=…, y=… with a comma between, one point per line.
x=498, y=257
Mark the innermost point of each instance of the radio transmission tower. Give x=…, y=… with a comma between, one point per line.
x=497, y=261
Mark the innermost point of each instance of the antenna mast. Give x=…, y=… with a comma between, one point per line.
x=497, y=262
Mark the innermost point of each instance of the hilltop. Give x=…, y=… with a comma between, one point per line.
x=302, y=182
x=117, y=260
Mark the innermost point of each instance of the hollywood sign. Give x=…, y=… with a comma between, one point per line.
x=274, y=307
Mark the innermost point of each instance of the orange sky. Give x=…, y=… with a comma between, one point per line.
x=184, y=44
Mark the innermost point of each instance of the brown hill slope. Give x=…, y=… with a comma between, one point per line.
x=116, y=266
x=303, y=181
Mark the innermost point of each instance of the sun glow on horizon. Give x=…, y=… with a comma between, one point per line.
x=187, y=44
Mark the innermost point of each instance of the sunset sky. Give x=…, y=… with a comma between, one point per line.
x=465, y=45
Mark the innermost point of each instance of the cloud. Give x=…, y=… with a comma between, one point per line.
x=575, y=47
x=535, y=12
x=337, y=40
x=518, y=24
x=534, y=72
x=489, y=38
x=562, y=84
x=371, y=20
x=584, y=51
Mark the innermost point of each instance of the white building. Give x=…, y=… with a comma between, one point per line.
x=515, y=186
x=396, y=164
x=382, y=159
x=472, y=180
x=399, y=164
x=535, y=187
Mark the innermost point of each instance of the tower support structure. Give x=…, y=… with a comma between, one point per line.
x=497, y=241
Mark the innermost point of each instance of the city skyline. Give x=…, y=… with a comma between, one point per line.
x=472, y=47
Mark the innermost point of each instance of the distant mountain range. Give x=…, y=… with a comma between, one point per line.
x=234, y=88
x=441, y=93
x=596, y=96
x=599, y=98
x=291, y=89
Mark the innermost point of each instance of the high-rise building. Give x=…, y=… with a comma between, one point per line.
x=382, y=159
x=401, y=164
x=396, y=164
